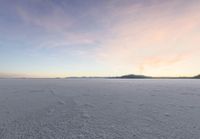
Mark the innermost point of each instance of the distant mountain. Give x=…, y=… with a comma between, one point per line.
x=132, y=76
x=198, y=76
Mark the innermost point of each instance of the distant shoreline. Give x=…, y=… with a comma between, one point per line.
x=130, y=76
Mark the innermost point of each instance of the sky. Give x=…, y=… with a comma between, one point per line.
x=61, y=38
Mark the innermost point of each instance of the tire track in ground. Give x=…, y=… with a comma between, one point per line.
x=59, y=99
x=53, y=122
x=2, y=132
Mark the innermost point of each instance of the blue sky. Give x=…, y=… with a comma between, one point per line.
x=58, y=38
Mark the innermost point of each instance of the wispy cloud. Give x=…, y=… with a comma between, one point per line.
x=129, y=36
x=55, y=20
x=157, y=37
x=62, y=28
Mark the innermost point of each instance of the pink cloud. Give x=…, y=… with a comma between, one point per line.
x=157, y=38
x=56, y=20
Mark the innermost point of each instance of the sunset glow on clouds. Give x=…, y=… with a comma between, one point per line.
x=49, y=38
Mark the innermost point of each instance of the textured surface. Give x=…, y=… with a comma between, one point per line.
x=99, y=109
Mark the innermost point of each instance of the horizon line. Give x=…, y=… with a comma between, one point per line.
x=117, y=76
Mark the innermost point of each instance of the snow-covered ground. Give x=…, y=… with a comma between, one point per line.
x=99, y=109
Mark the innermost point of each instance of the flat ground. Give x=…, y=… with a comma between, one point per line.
x=99, y=109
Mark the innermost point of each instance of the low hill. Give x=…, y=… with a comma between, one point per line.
x=133, y=76
x=198, y=76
